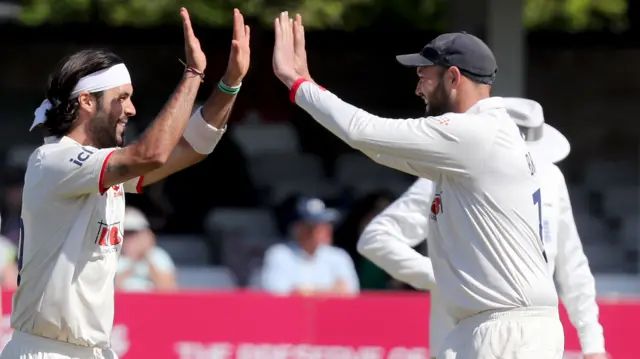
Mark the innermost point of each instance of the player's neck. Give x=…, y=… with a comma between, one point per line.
x=469, y=101
x=79, y=135
x=470, y=95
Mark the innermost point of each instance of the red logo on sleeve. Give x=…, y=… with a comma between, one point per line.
x=109, y=235
x=436, y=206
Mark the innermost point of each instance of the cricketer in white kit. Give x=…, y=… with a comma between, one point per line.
x=485, y=227
x=75, y=184
x=389, y=238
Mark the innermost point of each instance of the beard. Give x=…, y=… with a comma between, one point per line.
x=103, y=130
x=440, y=102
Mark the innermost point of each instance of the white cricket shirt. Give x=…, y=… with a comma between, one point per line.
x=485, y=217
x=69, y=246
x=567, y=260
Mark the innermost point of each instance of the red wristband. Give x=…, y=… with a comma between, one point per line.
x=294, y=88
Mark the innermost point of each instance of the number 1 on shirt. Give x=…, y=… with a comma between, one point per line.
x=537, y=201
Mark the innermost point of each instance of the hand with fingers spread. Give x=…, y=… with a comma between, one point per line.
x=289, y=55
x=240, y=56
x=195, y=57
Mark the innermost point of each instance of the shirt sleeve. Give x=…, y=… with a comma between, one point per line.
x=388, y=239
x=575, y=281
x=134, y=185
x=276, y=271
x=347, y=271
x=70, y=171
x=424, y=147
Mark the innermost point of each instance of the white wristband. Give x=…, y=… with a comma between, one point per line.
x=202, y=137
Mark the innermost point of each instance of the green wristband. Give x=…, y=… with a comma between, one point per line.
x=228, y=89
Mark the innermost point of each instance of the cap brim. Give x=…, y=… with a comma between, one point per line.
x=328, y=216
x=413, y=60
x=551, y=147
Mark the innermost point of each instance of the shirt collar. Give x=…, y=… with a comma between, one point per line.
x=486, y=104
x=56, y=139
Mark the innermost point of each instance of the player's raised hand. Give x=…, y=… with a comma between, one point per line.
x=284, y=58
x=299, y=48
x=240, y=56
x=195, y=57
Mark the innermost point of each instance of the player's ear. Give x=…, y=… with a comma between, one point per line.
x=453, y=76
x=86, y=101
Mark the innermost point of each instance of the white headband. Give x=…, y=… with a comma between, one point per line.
x=102, y=80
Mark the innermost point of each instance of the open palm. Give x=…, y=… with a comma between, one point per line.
x=195, y=57
x=284, y=64
x=240, y=56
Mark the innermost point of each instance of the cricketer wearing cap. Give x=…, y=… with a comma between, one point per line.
x=73, y=202
x=485, y=224
x=388, y=239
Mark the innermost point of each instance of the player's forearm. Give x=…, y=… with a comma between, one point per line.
x=217, y=109
x=577, y=291
x=379, y=138
x=397, y=259
x=592, y=339
x=215, y=112
x=326, y=108
x=576, y=284
x=164, y=133
x=156, y=144
x=182, y=156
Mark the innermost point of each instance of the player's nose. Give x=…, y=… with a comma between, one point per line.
x=130, y=110
x=418, y=90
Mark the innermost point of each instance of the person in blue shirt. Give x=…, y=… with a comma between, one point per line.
x=309, y=264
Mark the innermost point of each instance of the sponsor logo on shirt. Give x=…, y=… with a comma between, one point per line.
x=109, y=236
x=117, y=191
x=81, y=157
x=436, y=206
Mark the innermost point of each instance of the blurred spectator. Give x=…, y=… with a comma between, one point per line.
x=143, y=266
x=362, y=212
x=8, y=265
x=309, y=264
x=13, y=181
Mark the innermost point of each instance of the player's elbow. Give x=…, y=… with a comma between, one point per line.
x=157, y=161
x=151, y=158
x=353, y=139
x=366, y=243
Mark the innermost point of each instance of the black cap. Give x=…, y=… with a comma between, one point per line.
x=466, y=52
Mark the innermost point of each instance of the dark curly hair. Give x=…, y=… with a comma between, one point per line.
x=63, y=79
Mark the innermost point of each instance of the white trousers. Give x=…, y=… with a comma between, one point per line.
x=526, y=333
x=28, y=346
